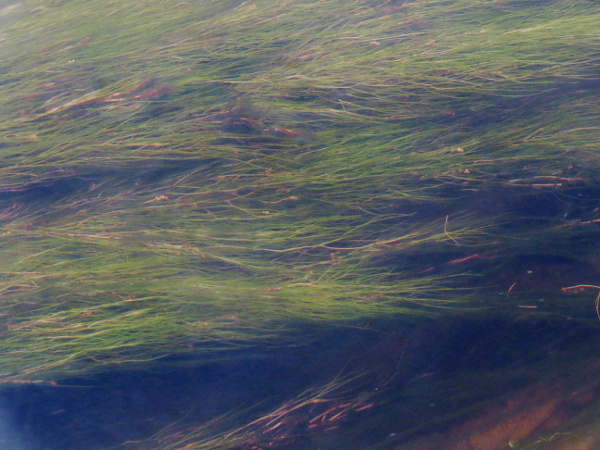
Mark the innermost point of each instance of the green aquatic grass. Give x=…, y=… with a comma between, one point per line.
x=227, y=172
x=77, y=299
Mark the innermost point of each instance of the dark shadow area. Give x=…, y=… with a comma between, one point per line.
x=417, y=371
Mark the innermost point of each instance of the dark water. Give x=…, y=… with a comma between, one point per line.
x=424, y=372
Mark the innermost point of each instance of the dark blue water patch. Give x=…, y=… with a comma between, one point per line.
x=456, y=365
x=557, y=225
x=45, y=191
x=409, y=364
x=11, y=437
x=108, y=410
x=542, y=272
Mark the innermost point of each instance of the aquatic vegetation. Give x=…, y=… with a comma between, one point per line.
x=232, y=174
x=321, y=407
x=136, y=203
